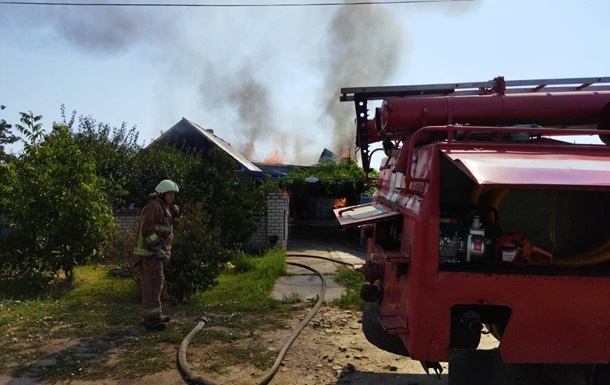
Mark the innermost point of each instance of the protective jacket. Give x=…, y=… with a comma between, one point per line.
x=156, y=225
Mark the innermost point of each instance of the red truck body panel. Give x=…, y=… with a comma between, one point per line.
x=558, y=319
x=461, y=183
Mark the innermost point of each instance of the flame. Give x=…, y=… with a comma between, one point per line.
x=347, y=155
x=339, y=202
x=276, y=158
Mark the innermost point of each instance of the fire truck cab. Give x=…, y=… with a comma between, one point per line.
x=490, y=217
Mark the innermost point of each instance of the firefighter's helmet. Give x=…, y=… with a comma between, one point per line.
x=166, y=186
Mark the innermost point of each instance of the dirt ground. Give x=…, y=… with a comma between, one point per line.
x=330, y=350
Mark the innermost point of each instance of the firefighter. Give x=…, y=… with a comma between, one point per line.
x=153, y=250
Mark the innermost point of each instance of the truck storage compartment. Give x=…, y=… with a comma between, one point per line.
x=547, y=229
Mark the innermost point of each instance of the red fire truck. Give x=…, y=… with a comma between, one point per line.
x=490, y=216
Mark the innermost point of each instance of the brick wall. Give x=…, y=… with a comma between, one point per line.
x=126, y=219
x=274, y=222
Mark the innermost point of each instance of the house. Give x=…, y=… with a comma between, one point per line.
x=274, y=226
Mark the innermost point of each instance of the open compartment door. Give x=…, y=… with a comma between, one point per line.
x=365, y=213
x=520, y=168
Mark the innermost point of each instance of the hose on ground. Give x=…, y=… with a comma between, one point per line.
x=203, y=320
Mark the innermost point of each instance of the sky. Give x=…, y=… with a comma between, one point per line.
x=267, y=79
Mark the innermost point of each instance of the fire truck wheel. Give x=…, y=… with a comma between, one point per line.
x=375, y=334
x=601, y=375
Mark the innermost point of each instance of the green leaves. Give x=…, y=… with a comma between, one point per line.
x=219, y=214
x=58, y=211
x=343, y=179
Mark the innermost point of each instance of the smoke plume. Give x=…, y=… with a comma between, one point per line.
x=264, y=79
x=365, y=47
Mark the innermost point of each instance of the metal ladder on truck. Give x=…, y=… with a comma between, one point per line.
x=361, y=95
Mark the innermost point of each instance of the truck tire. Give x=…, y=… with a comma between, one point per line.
x=375, y=334
x=601, y=375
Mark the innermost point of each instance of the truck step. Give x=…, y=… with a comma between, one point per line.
x=393, y=325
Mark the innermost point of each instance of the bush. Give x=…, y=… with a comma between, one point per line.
x=197, y=257
x=58, y=210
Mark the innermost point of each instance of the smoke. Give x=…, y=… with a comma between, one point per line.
x=365, y=47
x=264, y=79
x=98, y=30
x=252, y=103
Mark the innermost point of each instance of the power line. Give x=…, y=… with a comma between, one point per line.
x=219, y=5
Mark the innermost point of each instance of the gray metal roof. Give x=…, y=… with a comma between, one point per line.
x=186, y=131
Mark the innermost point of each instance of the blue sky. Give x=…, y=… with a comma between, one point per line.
x=268, y=78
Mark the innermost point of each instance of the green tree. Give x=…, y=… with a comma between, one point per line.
x=112, y=147
x=59, y=211
x=6, y=137
x=31, y=128
x=235, y=206
x=155, y=163
x=343, y=179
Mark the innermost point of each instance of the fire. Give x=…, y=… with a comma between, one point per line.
x=339, y=202
x=347, y=155
x=276, y=158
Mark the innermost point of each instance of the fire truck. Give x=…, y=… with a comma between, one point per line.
x=491, y=216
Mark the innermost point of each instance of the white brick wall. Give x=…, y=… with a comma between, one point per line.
x=273, y=223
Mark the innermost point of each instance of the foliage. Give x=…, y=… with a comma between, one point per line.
x=155, y=163
x=352, y=281
x=196, y=256
x=59, y=194
x=343, y=179
x=112, y=147
x=242, y=262
x=59, y=212
x=233, y=207
x=219, y=214
x=6, y=137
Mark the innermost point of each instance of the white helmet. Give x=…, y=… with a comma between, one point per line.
x=166, y=186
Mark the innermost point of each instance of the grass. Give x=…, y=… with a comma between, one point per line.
x=352, y=281
x=90, y=330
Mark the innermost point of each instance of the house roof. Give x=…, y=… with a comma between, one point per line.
x=277, y=169
x=186, y=131
x=189, y=132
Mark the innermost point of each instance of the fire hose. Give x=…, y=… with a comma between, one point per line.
x=204, y=320
x=595, y=256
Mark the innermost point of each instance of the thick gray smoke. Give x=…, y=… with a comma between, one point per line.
x=365, y=47
x=263, y=79
x=100, y=30
x=252, y=103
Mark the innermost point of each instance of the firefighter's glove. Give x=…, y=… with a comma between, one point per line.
x=176, y=211
x=156, y=245
x=163, y=256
